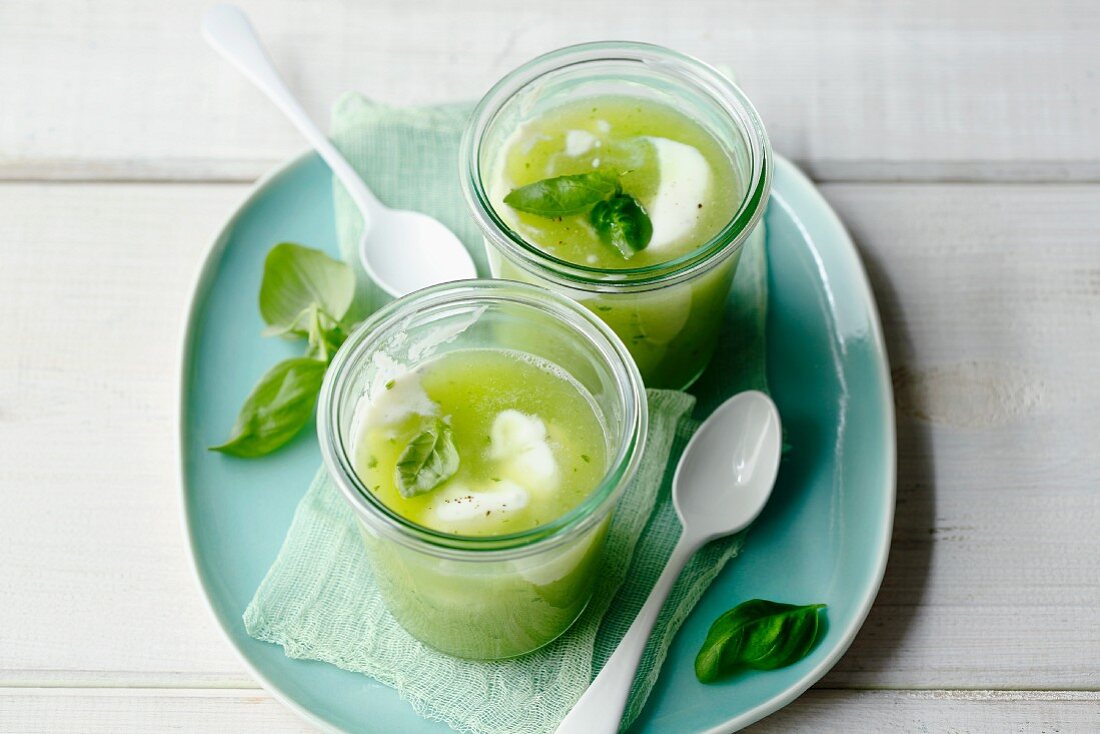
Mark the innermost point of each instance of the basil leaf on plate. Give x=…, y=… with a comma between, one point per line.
x=428, y=460
x=758, y=634
x=277, y=408
x=298, y=280
x=622, y=223
x=563, y=195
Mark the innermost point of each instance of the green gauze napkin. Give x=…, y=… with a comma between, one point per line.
x=319, y=599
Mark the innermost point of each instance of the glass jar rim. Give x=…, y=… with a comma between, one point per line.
x=365, y=339
x=717, y=86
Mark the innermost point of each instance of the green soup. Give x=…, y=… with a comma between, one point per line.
x=529, y=442
x=679, y=173
x=530, y=447
x=687, y=184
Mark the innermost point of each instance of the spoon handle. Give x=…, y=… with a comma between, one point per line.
x=600, y=709
x=227, y=29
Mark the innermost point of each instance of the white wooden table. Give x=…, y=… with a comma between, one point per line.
x=960, y=142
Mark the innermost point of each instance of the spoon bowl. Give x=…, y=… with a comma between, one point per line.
x=404, y=251
x=401, y=251
x=727, y=470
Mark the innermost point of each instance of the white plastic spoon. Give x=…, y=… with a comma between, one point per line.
x=721, y=484
x=401, y=251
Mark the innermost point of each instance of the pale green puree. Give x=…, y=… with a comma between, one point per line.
x=522, y=445
x=685, y=182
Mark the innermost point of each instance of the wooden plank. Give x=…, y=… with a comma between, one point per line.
x=853, y=90
x=116, y=711
x=95, y=282
x=989, y=295
x=936, y=711
x=119, y=710
x=989, y=298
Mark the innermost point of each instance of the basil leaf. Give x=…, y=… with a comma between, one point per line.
x=298, y=327
x=298, y=279
x=429, y=460
x=758, y=634
x=277, y=408
x=563, y=195
x=622, y=223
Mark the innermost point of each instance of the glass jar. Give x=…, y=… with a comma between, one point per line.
x=667, y=314
x=497, y=596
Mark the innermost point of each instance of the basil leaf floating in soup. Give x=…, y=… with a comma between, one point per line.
x=277, y=408
x=298, y=280
x=428, y=460
x=622, y=222
x=563, y=195
x=758, y=634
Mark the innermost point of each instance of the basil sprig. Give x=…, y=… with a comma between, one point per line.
x=758, y=634
x=619, y=219
x=304, y=294
x=428, y=460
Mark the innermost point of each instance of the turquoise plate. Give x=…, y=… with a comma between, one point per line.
x=823, y=537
